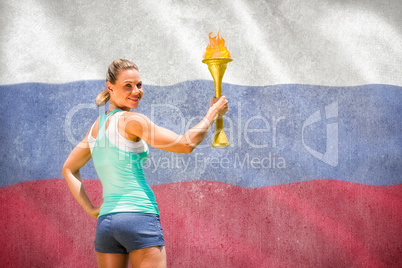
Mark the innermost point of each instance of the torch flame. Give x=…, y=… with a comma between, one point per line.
x=216, y=48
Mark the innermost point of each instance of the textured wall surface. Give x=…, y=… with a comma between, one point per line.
x=312, y=176
x=326, y=42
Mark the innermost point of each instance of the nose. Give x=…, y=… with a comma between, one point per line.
x=136, y=89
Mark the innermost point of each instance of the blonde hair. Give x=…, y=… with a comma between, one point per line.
x=113, y=71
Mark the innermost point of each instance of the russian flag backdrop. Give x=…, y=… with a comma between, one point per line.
x=312, y=175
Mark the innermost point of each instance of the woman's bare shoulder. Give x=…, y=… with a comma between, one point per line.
x=134, y=116
x=133, y=124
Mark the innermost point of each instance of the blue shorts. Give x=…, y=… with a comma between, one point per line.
x=125, y=232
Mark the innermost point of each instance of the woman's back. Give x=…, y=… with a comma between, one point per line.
x=118, y=163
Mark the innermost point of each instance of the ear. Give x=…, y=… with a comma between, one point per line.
x=109, y=87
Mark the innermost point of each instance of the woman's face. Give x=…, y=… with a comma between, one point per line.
x=127, y=91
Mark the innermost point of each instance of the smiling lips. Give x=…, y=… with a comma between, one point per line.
x=135, y=99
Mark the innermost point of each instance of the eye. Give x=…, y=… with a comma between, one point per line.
x=139, y=85
x=128, y=85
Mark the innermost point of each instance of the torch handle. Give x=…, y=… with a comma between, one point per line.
x=218, y=93
x=219, y=123
x=220, y=139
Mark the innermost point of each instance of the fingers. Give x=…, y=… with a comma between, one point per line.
x=218, y=100
x=222, y=100
x=220, y=104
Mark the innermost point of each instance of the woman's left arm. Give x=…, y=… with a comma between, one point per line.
x=71, y=172
x=164, y=139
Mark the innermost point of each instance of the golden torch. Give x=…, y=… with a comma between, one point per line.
x=217, y=57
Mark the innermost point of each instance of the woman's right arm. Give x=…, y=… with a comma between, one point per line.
x=71, y=172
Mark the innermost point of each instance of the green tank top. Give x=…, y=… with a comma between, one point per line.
x=122, y=176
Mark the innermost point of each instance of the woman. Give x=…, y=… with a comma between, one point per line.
x=128, y=225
